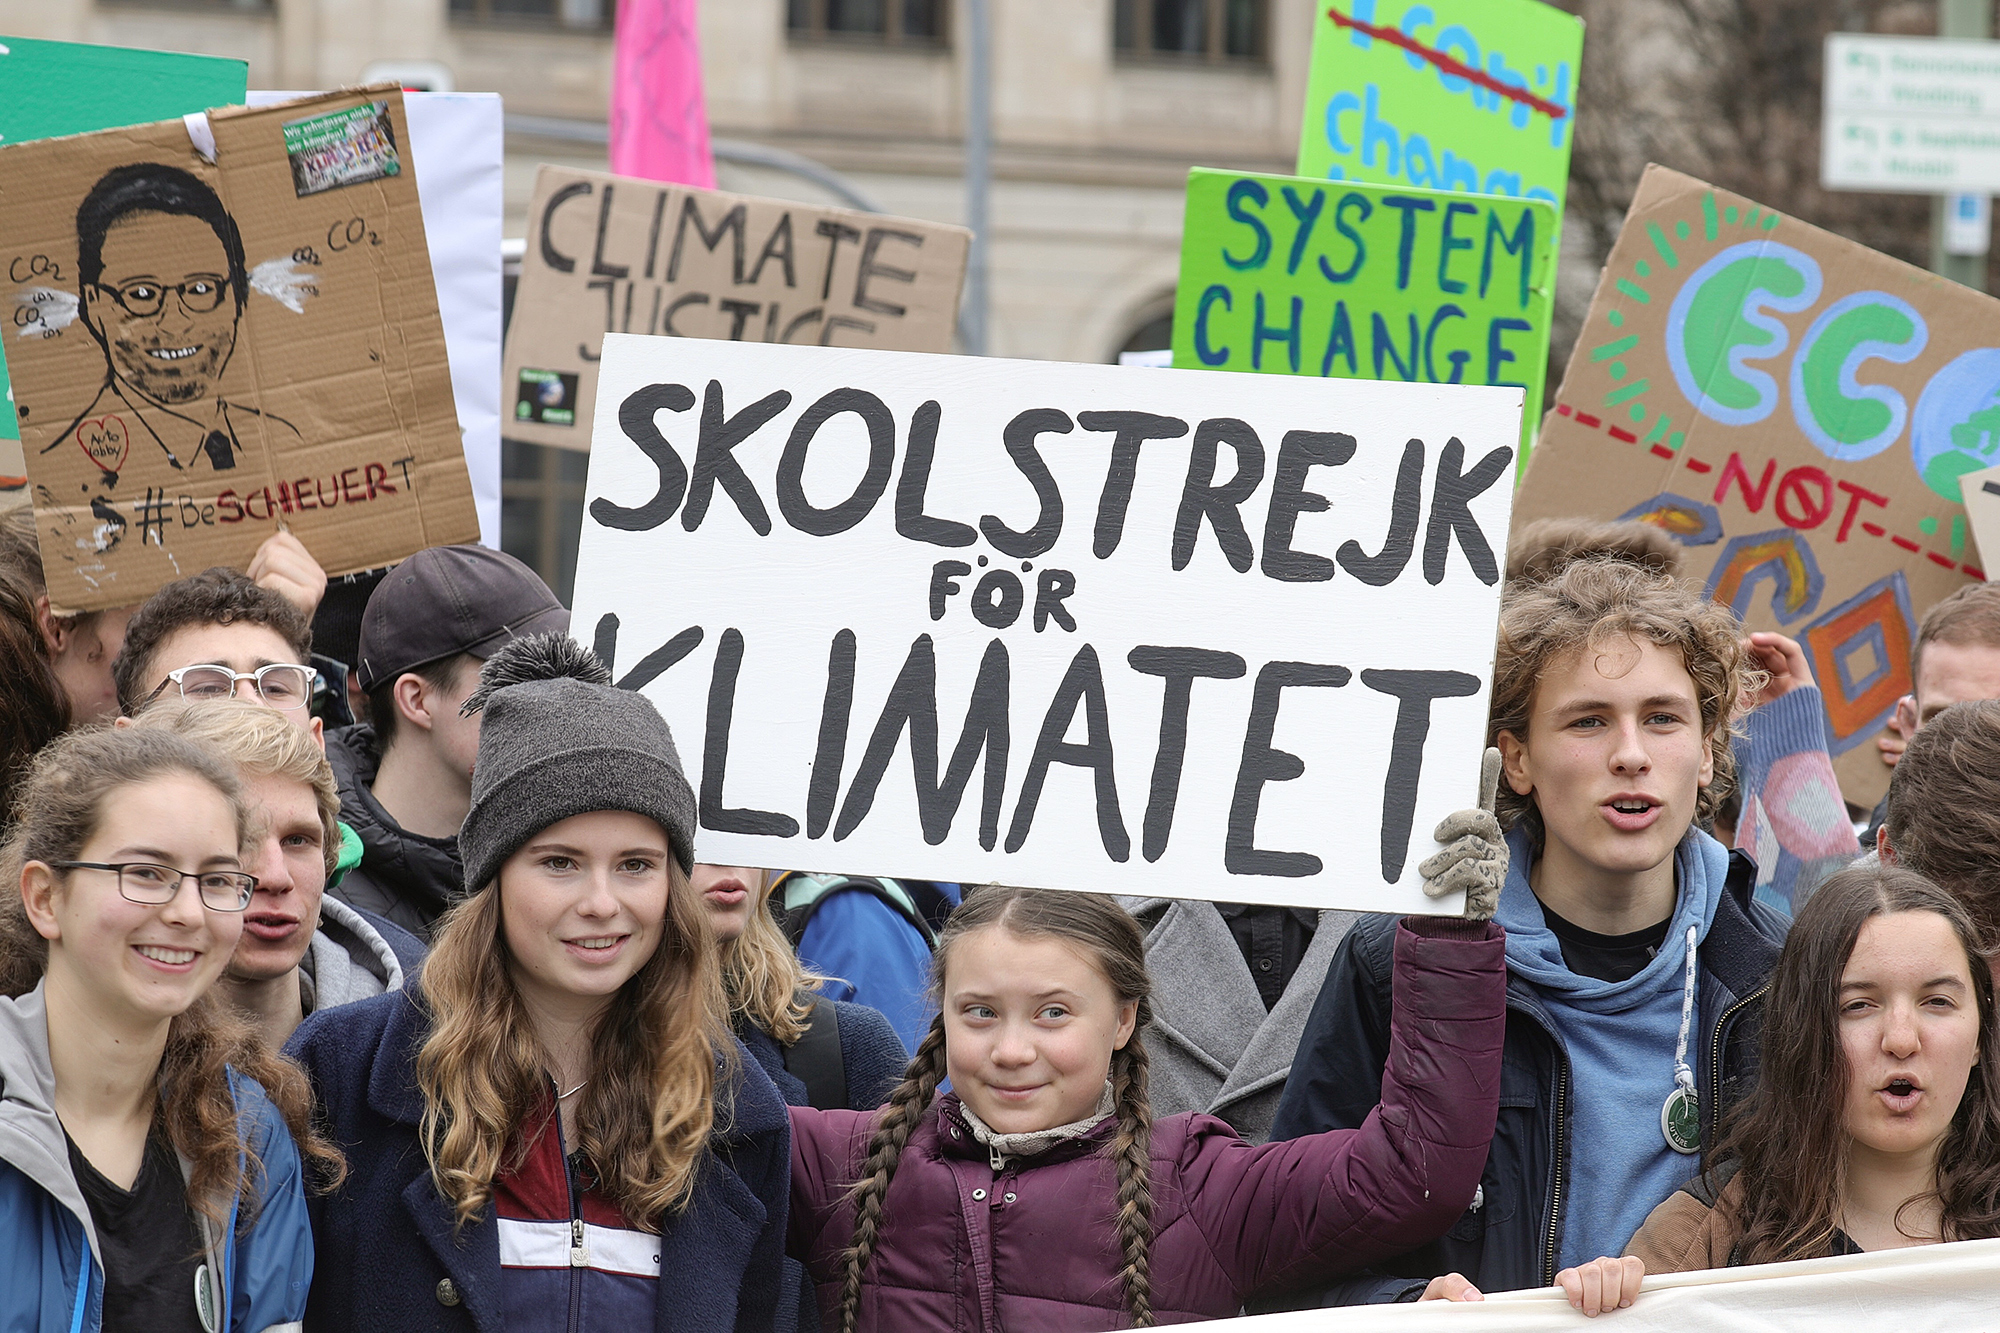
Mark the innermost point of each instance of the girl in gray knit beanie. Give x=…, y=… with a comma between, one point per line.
x=572, y=1042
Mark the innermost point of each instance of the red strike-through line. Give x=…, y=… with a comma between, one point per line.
x=1447, y=65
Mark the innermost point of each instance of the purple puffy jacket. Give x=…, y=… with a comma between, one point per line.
x=1034, y=1249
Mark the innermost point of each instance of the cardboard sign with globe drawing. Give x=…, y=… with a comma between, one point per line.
x=1798, y=410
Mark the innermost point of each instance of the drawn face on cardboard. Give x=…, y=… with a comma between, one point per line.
x=163, y=307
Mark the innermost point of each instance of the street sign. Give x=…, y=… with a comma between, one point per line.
x=1911, y=115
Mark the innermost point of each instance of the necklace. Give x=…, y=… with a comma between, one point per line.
x=1680, y=1115
x=573, y=1091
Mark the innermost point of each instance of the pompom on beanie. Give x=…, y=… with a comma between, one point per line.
x=557, y=739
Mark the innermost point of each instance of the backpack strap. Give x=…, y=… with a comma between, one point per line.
x=815, y=1058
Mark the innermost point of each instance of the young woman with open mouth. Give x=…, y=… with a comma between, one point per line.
x=1874, y=1124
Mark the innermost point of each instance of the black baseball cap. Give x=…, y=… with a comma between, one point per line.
x=446, y=600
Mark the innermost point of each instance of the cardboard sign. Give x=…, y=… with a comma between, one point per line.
x=458, y=146
x=54, y=88
x=1798, y=410
x=613, y=253
x=962, y=618
x=1982, y=510
x=235, y=329
x=1291, y=276
x=1475, y=96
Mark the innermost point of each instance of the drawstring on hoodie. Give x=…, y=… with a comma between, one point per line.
x=1680, y=1116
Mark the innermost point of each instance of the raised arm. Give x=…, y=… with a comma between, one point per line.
x=1292, y=1213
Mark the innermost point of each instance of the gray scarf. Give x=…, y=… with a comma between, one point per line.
x=999, y=1147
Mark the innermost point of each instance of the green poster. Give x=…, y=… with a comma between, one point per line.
x=1475, y=96
x=1291, y=276
x=53, y=88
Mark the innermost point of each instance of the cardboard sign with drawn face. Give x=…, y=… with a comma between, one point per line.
x=223, y=329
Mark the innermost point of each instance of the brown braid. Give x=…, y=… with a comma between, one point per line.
x=900, y=1118
x=1131, y=1150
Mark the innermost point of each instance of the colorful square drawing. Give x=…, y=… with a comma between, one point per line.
x=1860, y=653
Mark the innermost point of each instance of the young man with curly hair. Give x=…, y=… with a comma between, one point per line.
x=1637, y=956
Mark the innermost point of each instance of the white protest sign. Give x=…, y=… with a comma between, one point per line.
x=1188, y=633
x=1950, y=1286
x=458, y=145
x=1911, y=114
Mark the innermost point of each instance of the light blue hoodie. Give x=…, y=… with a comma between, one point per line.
x=1620, y=1038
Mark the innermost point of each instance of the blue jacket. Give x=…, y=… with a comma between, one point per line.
x=390, y=1256
x=872, y=956
x=51, y=1277
x=1510, y=1237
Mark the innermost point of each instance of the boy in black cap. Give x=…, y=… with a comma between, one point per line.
x=406, y=775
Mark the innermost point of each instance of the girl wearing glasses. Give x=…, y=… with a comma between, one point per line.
x=148, y=1175
x=554, y=1129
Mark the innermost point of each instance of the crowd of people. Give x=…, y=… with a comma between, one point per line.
x=383, y=989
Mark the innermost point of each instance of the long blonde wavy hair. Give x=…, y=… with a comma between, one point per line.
x=646, y=1114
x=769, y=988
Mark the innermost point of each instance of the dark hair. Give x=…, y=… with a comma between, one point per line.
x=34, y=709
x=1541, y=548
x=150, y=187
x=1943, y=819
x=213, y=597
x=1970, y=617
x=383, y=714
x=61, y=802
x=1791, y=1136
x=1103, y=931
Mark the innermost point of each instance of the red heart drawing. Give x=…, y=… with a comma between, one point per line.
x=105, y=440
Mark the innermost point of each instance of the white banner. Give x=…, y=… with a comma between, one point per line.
x=1171, y=632
x=1936, y=1288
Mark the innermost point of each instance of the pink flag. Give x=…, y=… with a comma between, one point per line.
x=659, y=122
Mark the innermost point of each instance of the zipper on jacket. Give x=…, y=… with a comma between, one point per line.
x=1559, y=1131
x=579, y=1253
x=1715, y=1050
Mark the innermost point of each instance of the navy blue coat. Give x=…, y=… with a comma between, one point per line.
x=870, y=1051
x=873, y=1057
x=384, y=1241
x=1511, y=1236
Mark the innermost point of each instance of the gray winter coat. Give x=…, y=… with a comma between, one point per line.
x=1212, y=1046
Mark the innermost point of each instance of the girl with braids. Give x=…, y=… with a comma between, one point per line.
x=148, y=1174
x=1041, y=1194
x=1875, y=1124
x=553, y=1129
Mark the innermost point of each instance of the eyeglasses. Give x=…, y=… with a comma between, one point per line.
x=153, y=885
x=285, y=685
x=144, y=298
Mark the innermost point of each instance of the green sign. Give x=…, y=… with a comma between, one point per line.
x=1290, y=276
x=54, y=88
x=1476, y=96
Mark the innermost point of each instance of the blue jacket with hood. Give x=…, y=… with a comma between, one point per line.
x=51, y=1277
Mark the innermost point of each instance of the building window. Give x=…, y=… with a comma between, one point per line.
x=1190, y=30
x=585, y=14
x=541, y=510
x=916, y=23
